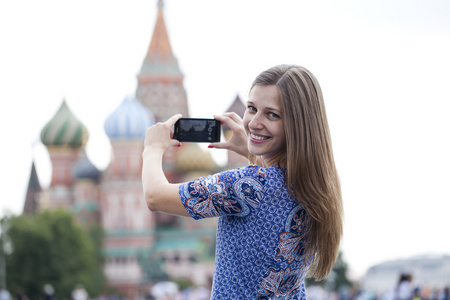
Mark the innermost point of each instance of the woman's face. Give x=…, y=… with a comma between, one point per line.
x=264, y=124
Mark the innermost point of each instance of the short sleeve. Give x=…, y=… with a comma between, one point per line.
x=230, y=193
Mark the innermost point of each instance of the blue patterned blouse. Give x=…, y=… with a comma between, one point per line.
x=260, y=251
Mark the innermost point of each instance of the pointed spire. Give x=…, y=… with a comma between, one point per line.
x=160, y=80
x=31, y=205
x=160, y=48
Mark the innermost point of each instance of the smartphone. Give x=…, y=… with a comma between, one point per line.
x=197, y=130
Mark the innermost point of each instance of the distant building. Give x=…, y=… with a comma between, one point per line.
x=140, y=247
x=427, y=272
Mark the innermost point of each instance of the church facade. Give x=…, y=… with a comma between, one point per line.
x=140, y=247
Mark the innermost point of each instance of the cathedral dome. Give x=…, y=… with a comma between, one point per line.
x=129, y=120
x=191, y=158
x=64, y=129
x=84, y=169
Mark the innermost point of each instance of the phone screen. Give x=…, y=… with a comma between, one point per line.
x=197, y=130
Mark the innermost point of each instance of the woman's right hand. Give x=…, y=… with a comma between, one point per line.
x=159, y=136
x=239, y=140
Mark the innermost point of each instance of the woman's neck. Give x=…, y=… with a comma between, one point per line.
x=275, y=161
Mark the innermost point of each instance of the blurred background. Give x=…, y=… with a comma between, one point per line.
x=82, y=80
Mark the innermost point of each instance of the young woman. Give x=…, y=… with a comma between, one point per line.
x=280, y=219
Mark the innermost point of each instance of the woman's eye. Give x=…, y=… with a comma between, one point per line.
x=251, y=108
x=274, y=115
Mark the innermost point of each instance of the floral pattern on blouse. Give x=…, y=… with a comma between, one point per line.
x=261, y=233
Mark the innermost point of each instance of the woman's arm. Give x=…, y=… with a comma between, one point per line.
x=159, y=194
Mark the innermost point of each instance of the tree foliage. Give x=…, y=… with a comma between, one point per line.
x=340, y=271
x=49, y=248
x=337, y=278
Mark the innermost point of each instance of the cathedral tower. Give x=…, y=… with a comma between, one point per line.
x=125, y=219
x=160, y=86
x=64, y=136
x=160, y=81
x=32, y=201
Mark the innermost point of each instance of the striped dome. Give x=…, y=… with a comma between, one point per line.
x=84, y=169
x=129, y=120
x=64, y=129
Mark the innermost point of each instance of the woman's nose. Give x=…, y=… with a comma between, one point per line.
x=256, y=122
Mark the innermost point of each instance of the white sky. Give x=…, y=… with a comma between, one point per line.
x=383, y=65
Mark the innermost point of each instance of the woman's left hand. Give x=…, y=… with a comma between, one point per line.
x=238, y=141
x=159, y=136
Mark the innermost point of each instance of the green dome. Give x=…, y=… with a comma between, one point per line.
x=64, y=129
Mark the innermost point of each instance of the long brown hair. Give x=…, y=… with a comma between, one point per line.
x=311, y=175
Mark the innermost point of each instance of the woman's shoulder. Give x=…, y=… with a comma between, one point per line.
x=261, y=169
x=271, y=175
x=257, y=171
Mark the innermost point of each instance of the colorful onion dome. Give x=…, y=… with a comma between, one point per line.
x=129, y=120
x=84, y=169
x=64, y=129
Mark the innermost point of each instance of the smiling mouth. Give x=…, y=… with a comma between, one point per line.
x=258, y=137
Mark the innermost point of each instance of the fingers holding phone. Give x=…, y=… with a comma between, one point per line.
x=160, y=134
x=238, y=141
